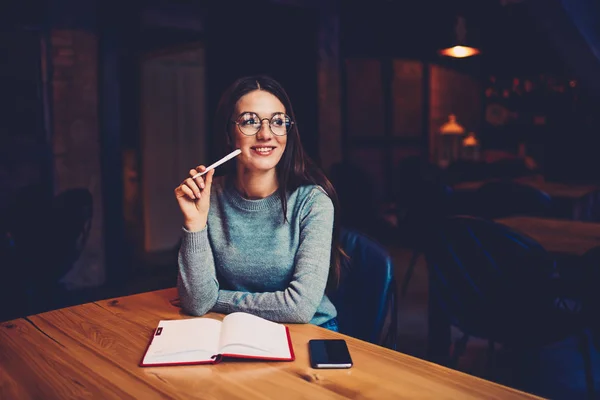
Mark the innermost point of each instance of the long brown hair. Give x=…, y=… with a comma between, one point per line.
x=295, y=167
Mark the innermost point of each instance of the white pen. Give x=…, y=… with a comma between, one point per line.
x=221, y=161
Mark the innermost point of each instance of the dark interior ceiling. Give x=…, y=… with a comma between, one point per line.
x=504, y=30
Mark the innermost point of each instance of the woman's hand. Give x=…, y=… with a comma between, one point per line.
x=193, y=196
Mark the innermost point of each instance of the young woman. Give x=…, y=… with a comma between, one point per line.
x=261, y=239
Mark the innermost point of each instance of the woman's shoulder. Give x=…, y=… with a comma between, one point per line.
x=308, y=189
x=311, y=193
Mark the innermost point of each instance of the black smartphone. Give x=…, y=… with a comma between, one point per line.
x=329, y=353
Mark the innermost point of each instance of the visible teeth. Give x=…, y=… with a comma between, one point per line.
x=263, y=149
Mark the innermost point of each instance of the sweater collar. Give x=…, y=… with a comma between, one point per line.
x=243, y=203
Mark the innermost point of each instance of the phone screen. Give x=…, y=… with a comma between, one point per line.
x=329, y=353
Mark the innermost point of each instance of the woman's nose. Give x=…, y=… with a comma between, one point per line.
x=265, y=131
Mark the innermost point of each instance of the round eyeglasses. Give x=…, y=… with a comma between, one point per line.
x=250, y=123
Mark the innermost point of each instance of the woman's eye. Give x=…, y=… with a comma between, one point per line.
x=278, y=122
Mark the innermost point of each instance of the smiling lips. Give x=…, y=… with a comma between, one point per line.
x=263, y=150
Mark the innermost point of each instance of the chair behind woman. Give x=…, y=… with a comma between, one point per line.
x=366, y=295
x=497, y=284
x=27, y=245
x=72, y=213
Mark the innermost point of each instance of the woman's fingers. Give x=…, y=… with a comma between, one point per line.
x=189, y=182
x=209, y=178
x=199, y=180
x=192, y=187
x=185, y=189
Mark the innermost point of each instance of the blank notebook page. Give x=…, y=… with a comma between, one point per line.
x=188, y=340
x=254, y=336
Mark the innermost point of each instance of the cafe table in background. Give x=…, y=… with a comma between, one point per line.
x=557, y=235
x=580, y=202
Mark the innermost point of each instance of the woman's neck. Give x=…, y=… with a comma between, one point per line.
x=254, y=186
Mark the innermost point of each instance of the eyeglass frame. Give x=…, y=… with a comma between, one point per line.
x=261, y=123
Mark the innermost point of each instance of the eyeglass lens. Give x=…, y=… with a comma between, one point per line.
x=250, y=123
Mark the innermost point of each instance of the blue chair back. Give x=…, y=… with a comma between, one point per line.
x=72, y=213
x=491, y=281
x=366, y=293
x=587, y=282
x=498, y=199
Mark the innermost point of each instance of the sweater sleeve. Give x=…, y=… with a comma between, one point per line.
x=197, y=282
x=300, y=300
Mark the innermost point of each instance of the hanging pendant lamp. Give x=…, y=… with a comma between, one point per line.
x=460, y=48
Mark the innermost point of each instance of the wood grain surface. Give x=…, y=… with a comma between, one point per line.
x=557, y=235
x=554, y=189
x=93, y=351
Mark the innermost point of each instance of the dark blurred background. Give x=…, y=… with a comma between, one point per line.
x=118, y=98
x=105, y=105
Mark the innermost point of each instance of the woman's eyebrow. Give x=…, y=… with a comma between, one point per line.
x=254, y=112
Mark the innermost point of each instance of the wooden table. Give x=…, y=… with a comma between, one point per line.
x=93, y=350
x=554, y=189
x=557, y=235
x=574, y=201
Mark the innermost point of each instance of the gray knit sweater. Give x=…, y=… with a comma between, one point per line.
x=247, y=259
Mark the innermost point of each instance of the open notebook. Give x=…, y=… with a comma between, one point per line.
x=207, y=341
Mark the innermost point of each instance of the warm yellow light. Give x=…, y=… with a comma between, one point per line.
x=459, y=51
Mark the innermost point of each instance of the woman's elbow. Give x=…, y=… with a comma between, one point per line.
x=197, y=307
x=304, y=319
x=301, y=314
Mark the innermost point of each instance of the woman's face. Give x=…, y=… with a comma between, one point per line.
x=262, y=151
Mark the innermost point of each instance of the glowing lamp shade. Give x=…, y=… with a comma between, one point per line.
x=459, y=51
